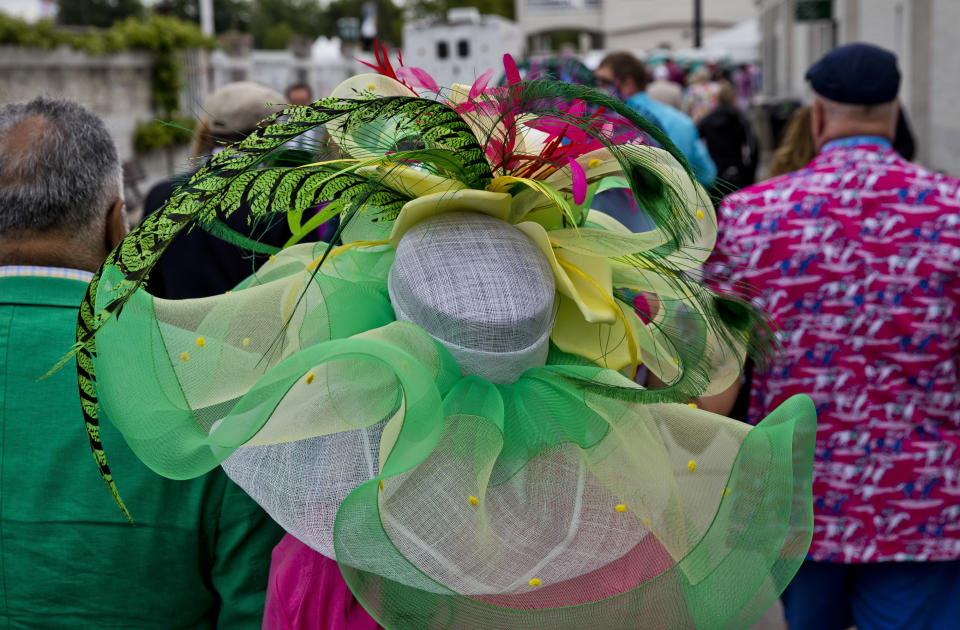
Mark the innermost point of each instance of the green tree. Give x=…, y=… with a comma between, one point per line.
x=102, y=13
x=389, y=18
x=228, y=15
x=277, y=36
x=305, y=18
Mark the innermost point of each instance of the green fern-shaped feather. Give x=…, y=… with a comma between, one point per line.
x=228, y=182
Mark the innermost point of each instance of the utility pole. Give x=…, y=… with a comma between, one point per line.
x=697, y=23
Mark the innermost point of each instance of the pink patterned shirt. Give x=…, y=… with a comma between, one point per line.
x=857, y=260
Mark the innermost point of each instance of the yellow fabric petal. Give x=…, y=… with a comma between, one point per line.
x=596, y=165
x=378, y=84
x=529, y=201
x=555, y=201
x=606, y=243
x=606, y=345
x=591, y=298
x=410, y=181
x=607, y=222
x=468, y=200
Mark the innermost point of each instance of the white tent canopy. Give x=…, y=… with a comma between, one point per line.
x=739, y=44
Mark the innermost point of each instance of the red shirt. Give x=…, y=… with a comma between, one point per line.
x=856, y=260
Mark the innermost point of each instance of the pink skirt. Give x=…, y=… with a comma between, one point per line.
x=306, y=592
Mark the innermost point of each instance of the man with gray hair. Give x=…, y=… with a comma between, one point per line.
x=855, y=257
x=198, y=553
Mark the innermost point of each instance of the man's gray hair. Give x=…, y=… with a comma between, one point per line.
x=59, y=168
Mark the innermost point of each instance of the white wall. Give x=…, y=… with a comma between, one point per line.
x=486, y=41
x=923, y=34
x=279, y=69
x=115, y=87
x=941, y=148
x=636, y=24
x=888, y=22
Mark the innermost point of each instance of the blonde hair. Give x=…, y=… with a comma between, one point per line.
x=726, y=94
x=797, y=149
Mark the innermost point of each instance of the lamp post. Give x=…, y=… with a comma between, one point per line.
x=697, y=23
x=206, y=17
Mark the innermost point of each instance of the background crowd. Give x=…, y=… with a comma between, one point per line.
x=851, y=249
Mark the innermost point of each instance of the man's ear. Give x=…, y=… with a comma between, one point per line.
x=817, y=123
x=116, y=224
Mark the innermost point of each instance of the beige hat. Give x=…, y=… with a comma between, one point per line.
x=237, y=108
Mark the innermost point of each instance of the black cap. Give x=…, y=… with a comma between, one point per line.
x=859, y=74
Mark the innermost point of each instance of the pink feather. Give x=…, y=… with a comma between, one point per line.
x=417, y=77
x=510, y=67
x=480, y=84
x=579, y=182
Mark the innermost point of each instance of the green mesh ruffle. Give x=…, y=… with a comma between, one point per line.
x=563, y=500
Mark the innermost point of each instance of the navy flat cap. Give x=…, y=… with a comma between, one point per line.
x=859, y=74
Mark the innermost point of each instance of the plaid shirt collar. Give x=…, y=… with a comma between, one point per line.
x=8, y=271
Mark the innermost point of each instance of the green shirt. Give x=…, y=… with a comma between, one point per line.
x=199, y=551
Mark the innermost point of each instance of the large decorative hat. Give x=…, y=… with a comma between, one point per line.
x=444, y=402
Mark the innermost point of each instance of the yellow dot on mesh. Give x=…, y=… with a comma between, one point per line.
x=184, y=357
x=726, y=492
x=371, y=86
x=228, y=292
x=694, y=405
x=272, y=258
x=620, y=507
x=700, y=215
x=691, y=465
x=201, y=342
x=246, y=341
x=675, y=360
x=534, y=582
x=381, y=484
x=594, y=163
x=473, y=500
x=645, y=521
x=309, y=378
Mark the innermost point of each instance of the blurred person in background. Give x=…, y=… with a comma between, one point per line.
x=796, y=150
x=731, y=142
x=742, y=81
x=664, y=90
x=299, y=94
x=855, y=258
x=229, y=114
x=564, y=68
x=197, y=556
x=312, y=143
x=701, y=96
x=624, y=76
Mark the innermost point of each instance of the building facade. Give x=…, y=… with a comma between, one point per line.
x=636, y=25
x=921, y=32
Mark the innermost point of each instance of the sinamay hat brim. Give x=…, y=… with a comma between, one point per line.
x=567, y=498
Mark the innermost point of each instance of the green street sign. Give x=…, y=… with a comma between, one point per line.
x=810, y=10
